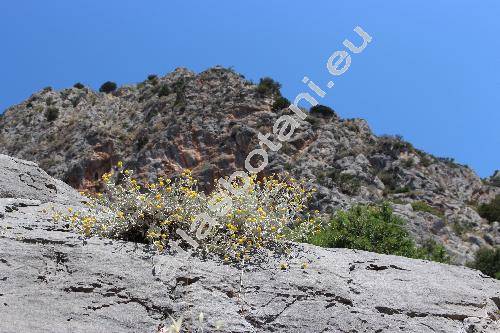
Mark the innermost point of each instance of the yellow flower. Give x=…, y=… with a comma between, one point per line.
x=120, y=164
x=231, y=227
x=159, y=246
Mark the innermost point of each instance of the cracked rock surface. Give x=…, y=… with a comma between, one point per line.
x=53, y=281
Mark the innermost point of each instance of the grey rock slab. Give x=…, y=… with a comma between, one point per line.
x=21, y=179
x=53, y=281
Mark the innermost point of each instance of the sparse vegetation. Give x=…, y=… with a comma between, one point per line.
x=78, y=85
x=280, y=103
x=433, y=251
x=460, y=228
x=490, y=211
x=51, y=113
x=389, y=179
x=322, y=110
x=108, y=87
x=163, y=91
x=409, y=163
x=425, y=160
x=315, y=122
x=268, y=87
x=422, y=206
x=488, y=262
x=394, y=145
x=347, y=183
x=375, y=229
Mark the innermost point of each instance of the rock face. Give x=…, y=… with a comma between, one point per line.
x=23, y=179
x=209, y=122
x=52, y=281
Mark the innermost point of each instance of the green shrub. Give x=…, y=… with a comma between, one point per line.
x=488, y=262
x=152, y=77
x=461, y=228
x=322, y=110
x=374, y=229
x=422, y=206
x=388, y=178
x=433, y=251
x=280, y=103
x=268, y=87
x=51, y=113
x=163, y=91
x=393, y=145
x=490, y=211
x=315, y=122
x=108, y=87
x=348, y=184
x=78, y=85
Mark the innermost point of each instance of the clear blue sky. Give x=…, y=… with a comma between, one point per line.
x=431, y=74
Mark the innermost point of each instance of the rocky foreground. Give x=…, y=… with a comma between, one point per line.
x=53, y=281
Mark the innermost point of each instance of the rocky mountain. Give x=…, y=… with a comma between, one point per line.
x=210, y=121
x=53, y=281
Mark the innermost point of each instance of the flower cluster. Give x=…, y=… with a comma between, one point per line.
x=260, y=218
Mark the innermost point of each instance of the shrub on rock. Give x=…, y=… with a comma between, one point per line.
x=51, y=114
x=163, y=91
x=488, y=262
x=280, y=103
x=374, y=229
x=268, y=87
x=322, y=110
x=491, y=211
x=108, y=87
x=78, y=85
x=422, y=206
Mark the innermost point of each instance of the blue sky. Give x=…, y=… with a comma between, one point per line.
x=431, y=73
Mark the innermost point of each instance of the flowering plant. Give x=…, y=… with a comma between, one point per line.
x=260, y=218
